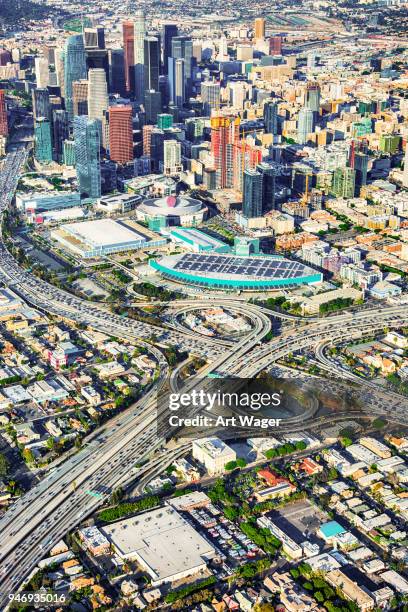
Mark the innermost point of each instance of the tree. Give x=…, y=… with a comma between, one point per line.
x=231, y=465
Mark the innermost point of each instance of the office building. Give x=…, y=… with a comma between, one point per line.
x=94, y=38
x=179, y=82
x=98, y=58
x=121, y=133
x=74, y=69
x=213, y=453
x=182, y=48
x=270, y=115
x=164, y=121
x=268, y=186
x=275, y=45
x=129, y=55
x=210, y=96
x=169, y=31
x=87, y=156
x=259, y=28
x=172, y=157
x=41, y=72
x=41, y=104
x=140, y=34
x=305, y=125
x=252, y=194
x=116, y=80
x=98, y=99
x=224, y=141
x=80, y=97
x=152, y=104
x=3, y=114
x=151, y=63
x=60, y=132
x=43, y=140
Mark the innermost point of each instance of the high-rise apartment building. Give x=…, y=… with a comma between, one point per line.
x=252, y=194
x=210, y=95
x=312, y=99
x=224, y=141
x=87, y=156
x=171, y=157
x=305, y=125
x=121, y=133
x=270, y=115
x=343, y=183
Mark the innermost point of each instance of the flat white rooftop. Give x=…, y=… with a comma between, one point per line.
x=162, y=541
x=102, y=232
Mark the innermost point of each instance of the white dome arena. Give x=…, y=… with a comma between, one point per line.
x=180, y=210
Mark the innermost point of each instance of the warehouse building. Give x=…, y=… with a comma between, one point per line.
x=231, y=272
x=104, y=236
x=163, y=544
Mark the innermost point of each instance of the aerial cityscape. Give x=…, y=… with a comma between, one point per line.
x=204, y=305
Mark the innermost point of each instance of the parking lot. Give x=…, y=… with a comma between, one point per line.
x=300, y=520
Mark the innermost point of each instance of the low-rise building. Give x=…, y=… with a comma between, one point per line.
x=213, y=453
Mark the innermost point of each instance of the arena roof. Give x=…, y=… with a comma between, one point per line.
x=223, y=270
x=171, y=206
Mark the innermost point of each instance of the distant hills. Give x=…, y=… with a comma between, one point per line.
x=13, y=13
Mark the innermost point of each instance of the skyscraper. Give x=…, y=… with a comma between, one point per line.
x=42, y=75
x=259, y=28
x=252, y=194
x=305, y=125
x=98, y=99
x=121, y=133
x=94, y=37
x=129, y=55
x=3, y=114
x=98, y=58
x=151, y=63
x=182, y=48
x=41, y=104
x=343, y=183
x=116, y=71
x=270, y=115
x=152, y=104
x=80, y=97
x=179, y=82
x=361, y=168
x=87, y=156
x=169, y=30
x=60, y=133
x=210, y=95
x=268, y=187
x=313, y=96
x=139, y=36
x=224, y=141
x=43, y=140
x=275, y=45
x=74, y=68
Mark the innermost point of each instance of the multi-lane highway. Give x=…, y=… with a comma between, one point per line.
x=62, y=500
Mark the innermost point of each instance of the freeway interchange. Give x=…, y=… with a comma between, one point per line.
x=109, y=456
